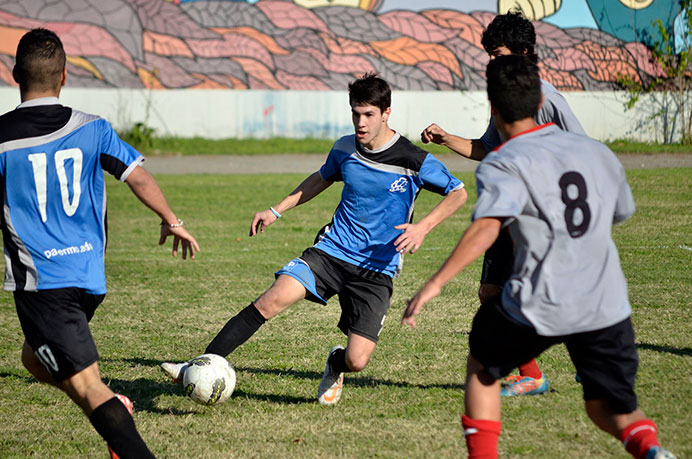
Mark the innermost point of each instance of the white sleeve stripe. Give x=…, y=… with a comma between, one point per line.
x=131, y=167
x=458, y=187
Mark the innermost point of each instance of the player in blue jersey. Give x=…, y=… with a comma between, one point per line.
x=54, y=232
x=508, y=34
x=356, y=256
x=558, y=194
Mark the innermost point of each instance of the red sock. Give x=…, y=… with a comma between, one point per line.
x=639, y=437
x=530, y=369
x=481, y=437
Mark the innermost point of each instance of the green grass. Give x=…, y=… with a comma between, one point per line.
x=165, y=146
x=405, y=404
x=629, y=146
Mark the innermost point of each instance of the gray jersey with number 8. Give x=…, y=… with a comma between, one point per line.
x=559, y=194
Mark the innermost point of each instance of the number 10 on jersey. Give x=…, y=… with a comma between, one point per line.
x=39, y=164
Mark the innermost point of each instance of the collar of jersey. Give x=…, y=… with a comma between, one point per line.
x=391, y=142
x=39, y=101
x=528, y=131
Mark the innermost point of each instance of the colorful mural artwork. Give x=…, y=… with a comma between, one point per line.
x=323, y=44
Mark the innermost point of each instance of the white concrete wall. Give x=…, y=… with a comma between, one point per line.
x=322, y=114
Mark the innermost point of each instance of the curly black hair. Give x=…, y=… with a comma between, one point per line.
x=513, y=31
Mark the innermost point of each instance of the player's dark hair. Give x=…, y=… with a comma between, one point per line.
x=370, y=90
x=514, y=87
x=40, y=60
x=513, y=31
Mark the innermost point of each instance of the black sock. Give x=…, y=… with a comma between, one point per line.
x=115, y=424
x=236, y=331
x=337, y=360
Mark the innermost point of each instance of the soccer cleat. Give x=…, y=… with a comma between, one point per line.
x=658, y=452
x=130, y=407
x=525, y=385
x=332, y=383
x=174, y=371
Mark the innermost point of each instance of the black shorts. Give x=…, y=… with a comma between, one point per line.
x=364, y=295
x=56, y=326
x=498, y=260
x=605, y=359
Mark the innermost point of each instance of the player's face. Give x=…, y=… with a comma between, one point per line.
x=370, y=125
x=499, y=51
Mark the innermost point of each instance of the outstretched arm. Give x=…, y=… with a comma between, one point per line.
x=469, y=148
x=308, y=189
x=477, y=238
x=144, y=186
x=414, y=233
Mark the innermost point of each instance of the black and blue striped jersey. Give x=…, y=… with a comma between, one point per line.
x=380, y=188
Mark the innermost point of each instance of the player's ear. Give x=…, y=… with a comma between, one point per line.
x=63, y=77
x=540, y=104
x=15, y=74
x=386, y=114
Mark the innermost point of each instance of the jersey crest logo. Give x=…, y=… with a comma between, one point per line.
x=398, y=185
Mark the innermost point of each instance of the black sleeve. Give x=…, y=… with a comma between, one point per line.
x=113, y=165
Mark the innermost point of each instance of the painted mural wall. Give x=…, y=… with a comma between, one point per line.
x=323, y=44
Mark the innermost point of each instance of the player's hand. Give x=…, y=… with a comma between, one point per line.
x=411, y=239
x=180, y=235
x=429, y=291
x=261, y=221
x=434, y=134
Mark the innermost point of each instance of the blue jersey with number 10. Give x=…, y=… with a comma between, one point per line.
x=54, y=196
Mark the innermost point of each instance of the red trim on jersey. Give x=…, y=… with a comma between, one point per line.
x=533, y=129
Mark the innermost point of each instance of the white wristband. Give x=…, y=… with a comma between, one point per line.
x=276, y=214
x=174, y=225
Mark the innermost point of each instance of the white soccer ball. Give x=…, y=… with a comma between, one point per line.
x=209, y=379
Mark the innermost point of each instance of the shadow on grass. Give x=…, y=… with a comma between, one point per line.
x=281, y=399
x=24, y=376
x=144, y=391
x=352, y=379
x=667, y=349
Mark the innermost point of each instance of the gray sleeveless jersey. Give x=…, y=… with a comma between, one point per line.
x=560, y=194
x=553, y=110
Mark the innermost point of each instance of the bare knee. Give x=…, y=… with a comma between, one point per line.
x=357, y=363
x=358, y=351
x=269, y=307
x=283, y=293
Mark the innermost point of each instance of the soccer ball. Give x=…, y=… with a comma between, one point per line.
x=209, y=379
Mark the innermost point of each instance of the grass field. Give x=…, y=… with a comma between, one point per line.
x=176, y=146
x=405, y=404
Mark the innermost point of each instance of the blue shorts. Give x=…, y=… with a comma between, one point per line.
x=364, y=295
